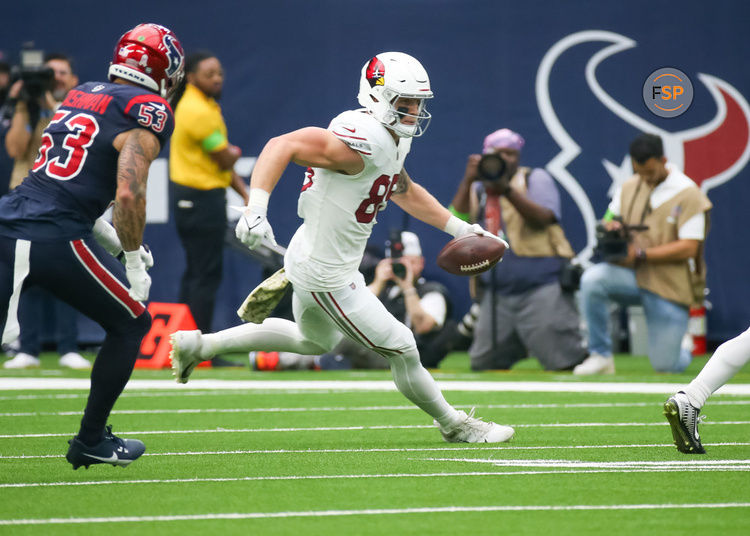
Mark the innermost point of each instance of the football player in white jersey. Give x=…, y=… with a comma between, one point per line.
x=682, y=409
x=353, y=169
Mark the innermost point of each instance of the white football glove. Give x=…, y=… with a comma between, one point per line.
x=135, y=270
x=462, y=228
x=252, y=229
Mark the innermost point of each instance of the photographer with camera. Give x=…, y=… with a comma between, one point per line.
x=524, y=309
x=652, y=244
x=35, y=97
x=43, y=82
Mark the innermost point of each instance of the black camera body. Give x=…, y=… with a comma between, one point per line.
x=612, y=245
x=394, y=250
x=36, y=82
x=37, y=77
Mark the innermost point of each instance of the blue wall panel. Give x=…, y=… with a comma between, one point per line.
x=292, y=63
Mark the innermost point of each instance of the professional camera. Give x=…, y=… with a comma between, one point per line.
x=394, y=249
x=612, y=245
x=37, y=77
x=491, y=167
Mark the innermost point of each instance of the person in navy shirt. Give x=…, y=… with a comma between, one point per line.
x=96, y=152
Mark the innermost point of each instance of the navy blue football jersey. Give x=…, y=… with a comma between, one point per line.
x=74, y=177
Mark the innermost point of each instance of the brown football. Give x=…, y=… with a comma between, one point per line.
x=470, y=254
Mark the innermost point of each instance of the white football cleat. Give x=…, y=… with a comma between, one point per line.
x=475, y=430
x=22, y=361
x=74, y=360
x=185, y=354
x=595, y=364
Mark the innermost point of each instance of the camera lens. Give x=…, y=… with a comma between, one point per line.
x=491, y=167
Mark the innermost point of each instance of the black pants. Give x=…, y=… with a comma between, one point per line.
x=201, y=221
x=82, y=274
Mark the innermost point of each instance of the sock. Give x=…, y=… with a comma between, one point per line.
x=728, y=359
x=274, y=334
x=111, y=371
x=416, y=384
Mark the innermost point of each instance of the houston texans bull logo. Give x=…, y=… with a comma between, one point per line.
x=710, y=154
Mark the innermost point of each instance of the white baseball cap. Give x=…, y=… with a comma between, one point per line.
x=411, y=244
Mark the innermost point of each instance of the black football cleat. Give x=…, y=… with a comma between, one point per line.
x=683, y=418
x=112, y=450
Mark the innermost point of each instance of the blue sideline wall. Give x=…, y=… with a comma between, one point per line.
x=492, y=64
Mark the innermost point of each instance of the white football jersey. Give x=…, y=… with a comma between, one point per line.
x=340, y=210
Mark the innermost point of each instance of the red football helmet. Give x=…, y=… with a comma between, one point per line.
x=150, y=56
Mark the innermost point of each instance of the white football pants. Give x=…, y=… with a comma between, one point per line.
x=322, y=319
x=728, y=359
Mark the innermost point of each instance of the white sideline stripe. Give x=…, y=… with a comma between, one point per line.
x=245, y=392
x=15, y=384
x=699, y=465
x=181, y=393
x=381, y=450
x=554, y=466
x=363, y=428
x=357, y=408
x=370, y=511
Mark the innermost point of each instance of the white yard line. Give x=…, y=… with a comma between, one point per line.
x=465, y=448
x=549, y=466
x=603, y=405
x=15, y=384
x=697, y=465
x=372, y=511
x=363, y=428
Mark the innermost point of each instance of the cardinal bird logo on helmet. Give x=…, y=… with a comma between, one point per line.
x=375, y=72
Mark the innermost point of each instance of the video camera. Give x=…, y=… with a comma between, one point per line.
x=37, y=77
x=612, y=245
x=394, y=250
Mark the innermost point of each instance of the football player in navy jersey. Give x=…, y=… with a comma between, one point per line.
x=96, y=150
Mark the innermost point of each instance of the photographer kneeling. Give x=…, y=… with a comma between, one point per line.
x=661, y=266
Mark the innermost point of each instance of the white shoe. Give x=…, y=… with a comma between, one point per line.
x=185, y=354
x=22, y=361
x=475, y=430
x=74, y=360
x=595, y=364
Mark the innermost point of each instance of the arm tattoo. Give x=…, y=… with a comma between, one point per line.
x=403, y=183
x=129, y=214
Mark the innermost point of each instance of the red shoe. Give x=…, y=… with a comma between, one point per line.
x=265, y=361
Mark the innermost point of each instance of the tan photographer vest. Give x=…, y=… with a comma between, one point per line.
x=678, y=281
x=526, y=240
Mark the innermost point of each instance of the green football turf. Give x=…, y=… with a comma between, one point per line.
x=343, y=461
